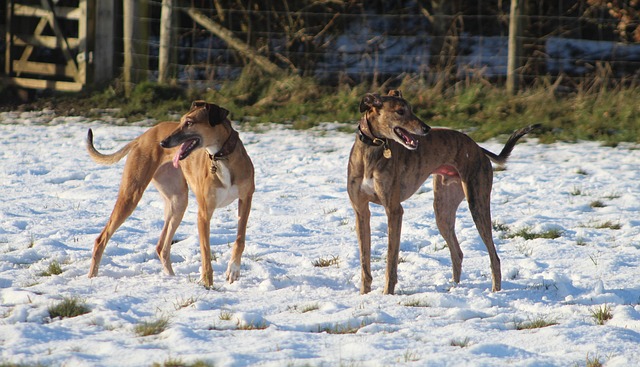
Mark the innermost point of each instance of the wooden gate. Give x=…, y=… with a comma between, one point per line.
x=51, y=45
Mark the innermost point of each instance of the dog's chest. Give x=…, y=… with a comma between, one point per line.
x=367, y=186
x=226, y=192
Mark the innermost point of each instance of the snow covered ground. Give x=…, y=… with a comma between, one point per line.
x=284, y=311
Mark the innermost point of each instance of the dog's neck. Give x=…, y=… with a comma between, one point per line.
x=227, y=147
x=366, y=136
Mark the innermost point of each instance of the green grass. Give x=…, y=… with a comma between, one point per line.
x=608, y=225
x=475, y=106
x=147, y=328
x=593, y=361
x=536, y=323
x=416, y=303
x=601, y=314
x=68, y=307
x=53, y=269
x=528, y=234
x=252, y=326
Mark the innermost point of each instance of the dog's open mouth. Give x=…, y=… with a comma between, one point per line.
x=408, y=139
x=186, y=148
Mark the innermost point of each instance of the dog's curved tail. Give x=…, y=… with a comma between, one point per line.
x=105, y=158
x=508, y=147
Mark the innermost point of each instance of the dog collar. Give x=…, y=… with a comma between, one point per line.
x=367, y=140
x=366, y=136
x=227, y=148
x=370, y=139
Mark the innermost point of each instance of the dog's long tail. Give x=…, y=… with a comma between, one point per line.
x=508, y=147
x=105, y=158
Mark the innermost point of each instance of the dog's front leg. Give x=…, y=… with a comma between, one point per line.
x=363, y=229
x=233, y=269
x=204, y=226
x=394, y=221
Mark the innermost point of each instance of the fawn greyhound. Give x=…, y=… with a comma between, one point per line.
x=393, y=154
x=218, y=174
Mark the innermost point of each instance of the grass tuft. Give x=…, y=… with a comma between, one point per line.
x=499, y=227
x=324, y=262
x=608, y=225
x=462, y=343
x=53, y=269
x=225, y=315
x=410, y=356
x=601, y=314
x=186, y=302
x=68, y=307
x=416, y=303
x=528, y=234
x=171, y=362
x=593, y=361
x=341, y=329
x=148, y=328
x=309, y=308
x=536, y=323
x=252, y=326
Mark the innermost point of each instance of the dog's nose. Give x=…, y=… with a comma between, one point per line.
x=164, y=144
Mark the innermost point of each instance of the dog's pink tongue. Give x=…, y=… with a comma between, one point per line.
x=176, y=159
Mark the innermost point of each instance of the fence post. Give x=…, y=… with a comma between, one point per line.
x=515, y=46
x=103, y=47
x=135, y=34
x=166, y=37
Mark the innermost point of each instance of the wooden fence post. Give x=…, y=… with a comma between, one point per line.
x=515, y=46
x=135, y=34
x=166, y=41
x=103, y=46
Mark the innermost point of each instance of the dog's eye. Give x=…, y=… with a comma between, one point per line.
x=189, y=123
x=400, y=112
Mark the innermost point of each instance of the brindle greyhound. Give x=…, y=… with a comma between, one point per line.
x=218, y=174
x=394, y=153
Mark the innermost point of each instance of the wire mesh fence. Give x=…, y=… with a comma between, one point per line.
x=358, y=40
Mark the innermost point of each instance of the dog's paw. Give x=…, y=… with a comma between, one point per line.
x=233, y=272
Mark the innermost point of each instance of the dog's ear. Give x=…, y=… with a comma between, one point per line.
x=198, y=104
x=395, y=93
x=217, y=114
x=369, y=101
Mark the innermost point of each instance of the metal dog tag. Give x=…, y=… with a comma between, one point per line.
x=387, y=153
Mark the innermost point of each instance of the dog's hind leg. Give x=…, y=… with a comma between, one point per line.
x=172, y=185
x=447, y=198
x=478, y=192
x=137, y=174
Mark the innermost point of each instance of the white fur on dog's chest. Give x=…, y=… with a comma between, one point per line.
x=227, y=193
x=367, y=185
